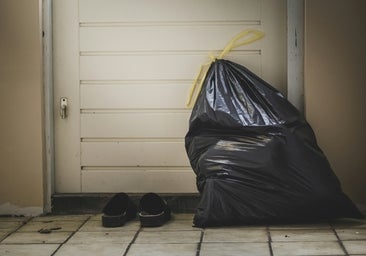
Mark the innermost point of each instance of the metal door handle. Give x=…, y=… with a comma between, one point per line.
x=63, y=107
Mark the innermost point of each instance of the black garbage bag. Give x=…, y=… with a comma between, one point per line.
x=255, y=157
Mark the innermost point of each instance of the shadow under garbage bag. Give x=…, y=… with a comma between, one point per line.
x=255, y=157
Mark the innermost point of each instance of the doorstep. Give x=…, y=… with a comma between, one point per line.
x=92, y=203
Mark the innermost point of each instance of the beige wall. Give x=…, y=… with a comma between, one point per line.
x=335, y=86
x=21, y=147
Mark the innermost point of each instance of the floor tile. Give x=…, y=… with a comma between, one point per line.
x=303, y=235
x=168, y=237
x=163, y=250
x=62, y=218
x=235, y=235
x=234, y=249
x=12, y=219
x=3, y=235
x=96, y=217
x=183, y=216
x=101, y=237
x=176, y=237
x=10, y=225
x=174, y=225
x=349, y=223
x=52, y=225
x=320, y=225
x=306, y=248
x=36, y=238
x=241, y=227
x=27, y=249
x=352, y=234
x=93, y=226
x=92, y=249
x=355, y=247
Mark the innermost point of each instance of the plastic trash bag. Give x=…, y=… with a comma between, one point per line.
x=255, y=157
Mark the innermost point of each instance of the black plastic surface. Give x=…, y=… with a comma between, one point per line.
x=255, y=157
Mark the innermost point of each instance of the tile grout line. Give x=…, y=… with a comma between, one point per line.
x=198, y=251
x=132, y=241
x=269, y=241
x=70, y=236
x=15, y=230
x=339, y=240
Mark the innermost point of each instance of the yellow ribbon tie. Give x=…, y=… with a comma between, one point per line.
x=233, y=43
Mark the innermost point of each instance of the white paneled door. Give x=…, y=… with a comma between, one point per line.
x=125, y=68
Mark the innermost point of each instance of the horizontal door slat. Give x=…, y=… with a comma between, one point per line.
x=139, y=181
x=152, y=67
x=150, y=38
x=134, y=95
x=134, y=125
x=188, y=10
x=138, y=153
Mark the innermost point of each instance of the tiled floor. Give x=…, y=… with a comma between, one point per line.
x=82, y=235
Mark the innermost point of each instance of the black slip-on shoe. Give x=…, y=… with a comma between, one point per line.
x=153, y=211
x=118, y=210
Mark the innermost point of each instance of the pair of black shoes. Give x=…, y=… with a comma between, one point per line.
x=153, y=211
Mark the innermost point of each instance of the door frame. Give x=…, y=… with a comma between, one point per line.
x=295, y=78
x=49, y=155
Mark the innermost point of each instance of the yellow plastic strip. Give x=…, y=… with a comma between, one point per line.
x=233, y=43
x=193, y=87
x=201, y=77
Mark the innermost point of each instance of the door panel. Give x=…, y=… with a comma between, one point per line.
x=141, y=180
x=134, y=95
x=133, y=153
x=66, y=84
x=168, y=11
x=135, y=124
x=156, y=66
x=126, y=67
x=161, y=38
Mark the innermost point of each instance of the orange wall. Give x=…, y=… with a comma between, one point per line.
x=21, y=103
x=335, y=86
